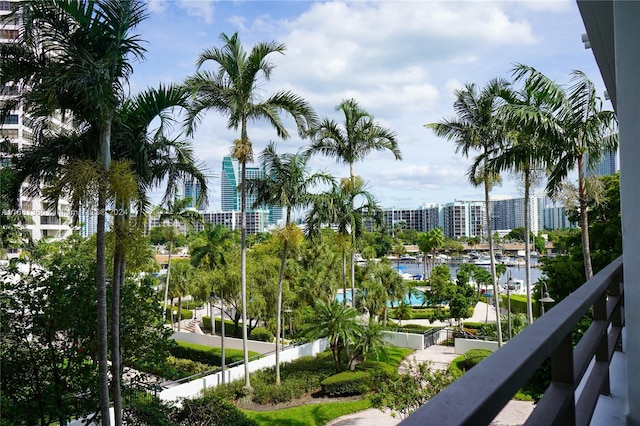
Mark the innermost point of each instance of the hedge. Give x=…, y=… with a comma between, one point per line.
x=185, y=313
x=345, y=383
x=261, y=334
x=474, y=356
x=207, y=354
x=518, y=303
x=229, y=326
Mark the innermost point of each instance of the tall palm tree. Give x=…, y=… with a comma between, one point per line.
x=578, y=128
x=213, y=254
x=234, y=91
x=524, y=151
x=351, y=142
x=76, y=57
x=176, y=211
x=347, y=207
x=476, y=127
x=286, y=184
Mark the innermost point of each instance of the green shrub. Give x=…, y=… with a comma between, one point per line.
x=474, y=356
x=345, y=383
x=518, y=303
x=206, y=354
x=212, y=410
x=377, y=368
x=229, y=326
x=185, y=314
x=261, y=334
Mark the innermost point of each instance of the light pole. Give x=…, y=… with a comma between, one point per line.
x=545, y=299
x=509, y=284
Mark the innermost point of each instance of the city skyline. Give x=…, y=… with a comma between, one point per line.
x=401, y=61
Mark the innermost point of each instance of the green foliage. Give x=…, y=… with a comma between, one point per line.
x=518, y=303
x=406, y=392
x=149, y=412
x=345, y=383
x=310, y=414
x=474, y=356
x=211, y=410
x=207, y=354
x=230, y=329
x=261, y=334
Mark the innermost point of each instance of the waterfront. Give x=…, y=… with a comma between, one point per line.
x=517, y=272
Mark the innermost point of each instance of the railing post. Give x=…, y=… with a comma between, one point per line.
x=562, y=374
x=602, y=350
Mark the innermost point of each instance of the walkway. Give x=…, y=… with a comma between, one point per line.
x=513, y=414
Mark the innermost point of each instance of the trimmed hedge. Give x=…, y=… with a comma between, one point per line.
x=474, y=356
x=229, y=326
x=185, y=313
x=518, y=303
x=207, y=354
x=261, y=334
x=345, y=383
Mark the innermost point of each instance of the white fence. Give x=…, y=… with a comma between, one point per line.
x=194, y=387
x=404, y=340
x=462, y=346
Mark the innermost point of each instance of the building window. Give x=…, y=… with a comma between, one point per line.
x=9, y=34
x=11, y=119
x=6, y=5
x=9, y=133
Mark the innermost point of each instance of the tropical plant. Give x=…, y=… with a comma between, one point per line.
x=578, y=131
x=76, y=57
x=352, y=142
x=233, y=91
x=476, y=127
x=287, y=184
x=336, y=322
x=176, y=211
x=346, y=207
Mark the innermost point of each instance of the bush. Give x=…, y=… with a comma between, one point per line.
x=474, y=356
x=261, y=334
x=207, y=354
x=229, y=326
x=212, y=410
x=518, y=303
x=185, y=313
x=345, y=383
x=377, y=368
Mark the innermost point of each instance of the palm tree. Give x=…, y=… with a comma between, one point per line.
x=476, y=127
x=176, y=211
x=524, y=151
x=75, y=57
x=430, y=241
x=213, y=254
x=336, y=322
x=234, y=91
x=346, y=206
x=392, y=284
x=286, y=184
x=575, y=128
x=352, y=142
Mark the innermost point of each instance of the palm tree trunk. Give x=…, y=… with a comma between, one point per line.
x=344, y=276
x=101, y=296
x=353, y=281
x=527, y=249
x=491, y=256
x=179, y=311
x=223, y=360
x=118, y=277
x=584, y=220
x=243, y=275
x=279, y=306
x=166, y=286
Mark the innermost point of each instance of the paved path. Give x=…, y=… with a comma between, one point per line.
x=513, y=414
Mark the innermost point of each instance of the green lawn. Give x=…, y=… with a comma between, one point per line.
x=308, y=415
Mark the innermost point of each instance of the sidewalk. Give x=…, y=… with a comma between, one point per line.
x=513, y=414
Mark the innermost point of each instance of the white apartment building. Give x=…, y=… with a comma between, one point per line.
x=44, y=220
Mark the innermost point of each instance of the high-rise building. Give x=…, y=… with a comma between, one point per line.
x=608, y=165
x=43, y=219
x=230, y=195
x=192, y=190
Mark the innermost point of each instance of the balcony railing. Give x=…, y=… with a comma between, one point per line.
x=478, y=396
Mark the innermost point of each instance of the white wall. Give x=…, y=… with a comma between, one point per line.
x=193, y=388
x=462, y=346
x=404, y=340
x=229, y=342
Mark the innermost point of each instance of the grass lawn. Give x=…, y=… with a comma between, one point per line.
x=308, y=415
x=393, y=357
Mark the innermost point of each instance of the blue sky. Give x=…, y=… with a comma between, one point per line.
x=401, y=60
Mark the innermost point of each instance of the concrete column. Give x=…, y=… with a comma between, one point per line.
x=626, y=17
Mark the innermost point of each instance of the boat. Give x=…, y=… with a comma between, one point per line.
x=514, y=286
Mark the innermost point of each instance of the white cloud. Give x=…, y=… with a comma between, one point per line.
x=199, y=9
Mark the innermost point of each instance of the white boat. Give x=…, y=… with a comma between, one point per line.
x=514, y=286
